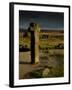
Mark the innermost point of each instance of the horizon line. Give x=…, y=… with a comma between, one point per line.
x=46, y=28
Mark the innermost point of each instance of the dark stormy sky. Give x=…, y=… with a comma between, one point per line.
x=53, y=20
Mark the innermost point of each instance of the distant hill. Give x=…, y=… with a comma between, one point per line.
x=44, y=30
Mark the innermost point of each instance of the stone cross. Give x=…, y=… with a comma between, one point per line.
x=34, y=30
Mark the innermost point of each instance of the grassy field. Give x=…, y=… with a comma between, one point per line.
x=54, y=38
x=51, y=55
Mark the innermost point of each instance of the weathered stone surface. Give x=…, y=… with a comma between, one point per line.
x=34, y=29
x=45, y=73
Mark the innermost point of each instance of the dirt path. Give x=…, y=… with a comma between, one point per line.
x=25, y=66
